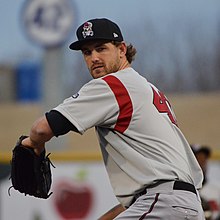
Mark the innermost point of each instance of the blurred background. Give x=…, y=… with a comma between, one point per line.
x=178, y=48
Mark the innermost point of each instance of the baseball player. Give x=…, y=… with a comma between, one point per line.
x=151, y=166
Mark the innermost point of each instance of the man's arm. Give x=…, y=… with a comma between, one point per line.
x=44, y=128
x=40, y=133
x=112, y=213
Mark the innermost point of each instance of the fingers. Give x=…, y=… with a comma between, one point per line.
x=27, y=142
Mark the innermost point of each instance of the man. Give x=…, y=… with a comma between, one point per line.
x=210, y=193
x=202, y=153
x=152, y=169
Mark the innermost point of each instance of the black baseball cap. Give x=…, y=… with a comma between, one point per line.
x=96, y=29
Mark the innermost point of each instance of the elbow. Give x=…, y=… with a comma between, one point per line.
x=41, y=131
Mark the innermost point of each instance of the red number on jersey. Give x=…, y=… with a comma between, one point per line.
x=162, y=104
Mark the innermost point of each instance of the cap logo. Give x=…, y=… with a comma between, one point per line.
x=87, y=30
x=115, y=35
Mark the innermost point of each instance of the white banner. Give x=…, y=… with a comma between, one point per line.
x=80, y=191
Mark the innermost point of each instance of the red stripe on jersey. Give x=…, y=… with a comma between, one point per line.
x=124, y=102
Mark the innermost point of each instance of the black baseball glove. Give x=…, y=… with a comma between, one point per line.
x=30, y=173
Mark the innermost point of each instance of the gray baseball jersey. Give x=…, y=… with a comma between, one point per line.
x=137, y=130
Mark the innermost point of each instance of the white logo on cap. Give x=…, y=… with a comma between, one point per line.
x=87, y=30
x=115, y=35
x=75, y=95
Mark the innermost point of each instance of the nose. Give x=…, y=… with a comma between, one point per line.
x=94, y=56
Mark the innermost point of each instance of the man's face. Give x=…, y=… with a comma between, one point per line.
x=203, y=160
x=103, y=57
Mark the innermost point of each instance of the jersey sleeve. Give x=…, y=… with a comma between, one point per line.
x=93, y=105
x=59, y=124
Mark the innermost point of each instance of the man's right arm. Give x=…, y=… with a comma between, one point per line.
x=112, y=213
x=44, y=128
x=40, y=133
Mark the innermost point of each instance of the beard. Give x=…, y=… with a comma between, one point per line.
x=98, y=70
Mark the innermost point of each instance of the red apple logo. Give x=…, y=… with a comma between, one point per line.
x=73, y=200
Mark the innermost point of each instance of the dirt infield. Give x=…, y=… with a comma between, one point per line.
x=198, y=117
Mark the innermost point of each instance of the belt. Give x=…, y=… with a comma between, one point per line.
x=178, y=185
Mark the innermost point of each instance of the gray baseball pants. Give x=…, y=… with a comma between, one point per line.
x=163, y=202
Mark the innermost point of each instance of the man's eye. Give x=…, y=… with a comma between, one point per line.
x=100, y=49
x=86, y=52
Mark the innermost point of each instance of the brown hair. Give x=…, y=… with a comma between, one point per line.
x=131, y=51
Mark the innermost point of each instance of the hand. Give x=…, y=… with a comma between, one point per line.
x=30, y=173
x=27, y=142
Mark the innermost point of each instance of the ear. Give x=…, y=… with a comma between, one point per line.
x=123, y=49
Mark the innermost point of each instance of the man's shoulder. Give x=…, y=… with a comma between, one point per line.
x=127, y=70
